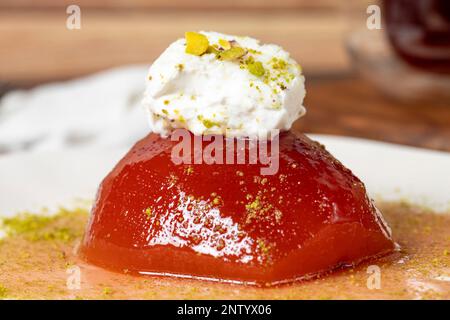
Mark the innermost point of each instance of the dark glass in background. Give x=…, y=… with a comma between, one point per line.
x=419, y=31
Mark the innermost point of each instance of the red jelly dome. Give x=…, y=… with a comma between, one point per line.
x=227, y=221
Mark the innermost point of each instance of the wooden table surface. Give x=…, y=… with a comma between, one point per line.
x=37, y=48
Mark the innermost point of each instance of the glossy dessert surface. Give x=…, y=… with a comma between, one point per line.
x=228, y=222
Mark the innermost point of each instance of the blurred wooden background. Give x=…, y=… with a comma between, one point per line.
x=36, y=47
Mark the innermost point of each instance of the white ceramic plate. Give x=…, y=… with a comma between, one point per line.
x=30, y=181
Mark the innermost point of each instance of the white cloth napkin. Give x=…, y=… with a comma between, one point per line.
x=98, y=110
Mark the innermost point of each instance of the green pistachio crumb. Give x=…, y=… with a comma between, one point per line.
x=196, y=43
x=279, y=63
x=231, y=54
x=189, y=170
x=208, y=123
x=107, y=291
x=37, y=227
x=225, y=44
x=213, y=50
x=3, y=292
x=148, y=212
x=256, y=68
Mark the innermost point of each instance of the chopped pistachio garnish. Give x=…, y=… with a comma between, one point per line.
x=247, y=61
x=217, y=200
x=231, y=54
x=3, y=292
x=225, y=44
x=256, y=68
x=213, y=49
x=208, y=123
x=107, y=291
x=189, y=170
x=196, y=43
x=148, y=212
x=253, y=51
x=254, y=205
x=262, y=245
x=36, y=227
x=279, y=63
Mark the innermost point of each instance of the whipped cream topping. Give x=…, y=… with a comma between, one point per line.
x=236, y=93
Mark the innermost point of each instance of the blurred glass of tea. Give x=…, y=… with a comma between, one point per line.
x=419, y=32
x=408, y=58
